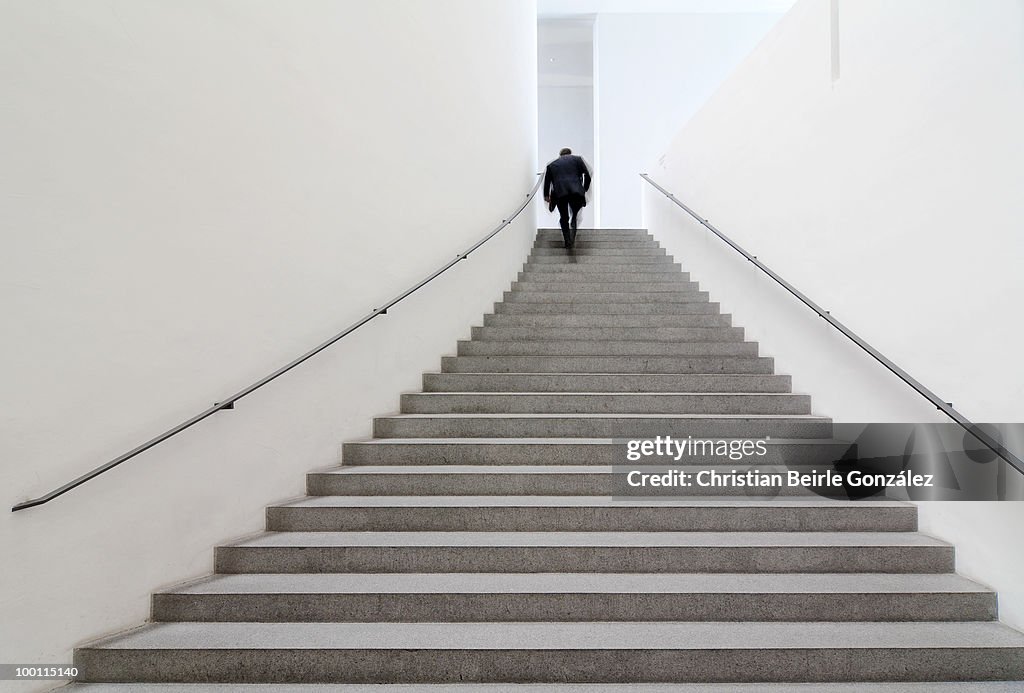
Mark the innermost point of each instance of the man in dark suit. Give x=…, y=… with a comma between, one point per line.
x=566, y=182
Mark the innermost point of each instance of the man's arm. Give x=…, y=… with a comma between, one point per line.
x=586, y=174
x=548, y=183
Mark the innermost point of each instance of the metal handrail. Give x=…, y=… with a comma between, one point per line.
x=945, y=407
x=229, y=402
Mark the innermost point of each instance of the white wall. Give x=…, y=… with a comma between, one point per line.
x=891, y=197
x=193, y=193
x=653, y=72
x=566, y=120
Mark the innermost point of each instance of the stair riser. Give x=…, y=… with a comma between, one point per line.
x=624, y=263
x=605, y=404
x=585, y=559
x=595, y=347
x=603, y=484
x=584, y=242
x=576, y=287
x=431, y=607
x=594, y=251
x=638, y=323
x=551, y=271
x=550, y=665
x=607, y=364
x=622, y=334
x=527, y=453
x=592, y=519
x=595, y=382
x=562, y=297
x=563, y=310
x=561, y=278
x=604, y=427
x=555, y=234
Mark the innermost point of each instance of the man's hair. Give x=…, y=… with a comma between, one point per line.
x=564, y=150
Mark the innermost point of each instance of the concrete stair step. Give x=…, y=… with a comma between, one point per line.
x=555, y=234
x=586, y=552
x=859, y=687
x=585, y=514
x=594, y=250
x=581, y=652
x=580, y=287
x=601, y=425
x=623, y=334
x=707, y=317
x=560, y=451
x=554, y=597
x=604, y=347
x=572, y=297
x=550, y=269
x=583, y=241
x=589, y=275
x=526, y=480
x=605, y=382
x=608, y=364
x=604, y=403
x=624, y=262
x=580, y=308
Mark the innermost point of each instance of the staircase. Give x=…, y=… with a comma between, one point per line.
x=482, y=535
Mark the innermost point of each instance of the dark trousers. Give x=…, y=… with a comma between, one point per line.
x=573, y=203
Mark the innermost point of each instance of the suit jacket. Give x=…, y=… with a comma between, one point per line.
x=566, y=175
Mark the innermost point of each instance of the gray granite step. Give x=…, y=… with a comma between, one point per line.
x=859, y=687
x=585, y=514
x=600, y=552
x=627, y=334
x=647, y=363
x=525, y=480
x=556, y=652
x=481, y=597
x=559, y=451
x=605, y=382
x=603, y=402
x=604, y=347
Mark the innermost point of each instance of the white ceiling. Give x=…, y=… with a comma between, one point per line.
x=568, y=8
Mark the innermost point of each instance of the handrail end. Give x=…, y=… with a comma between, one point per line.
x=29, y=504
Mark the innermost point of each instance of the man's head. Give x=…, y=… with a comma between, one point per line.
x=563, y=151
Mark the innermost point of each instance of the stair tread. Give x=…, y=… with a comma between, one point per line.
x=564, y=441
x=802, y=417
x=548, y=469
x=538, y=357
x=605, y=539
x=569, y=636
x=564, y=393
x=925, y=687
x=589, y=583
x=582, y=374
x=579, y=502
